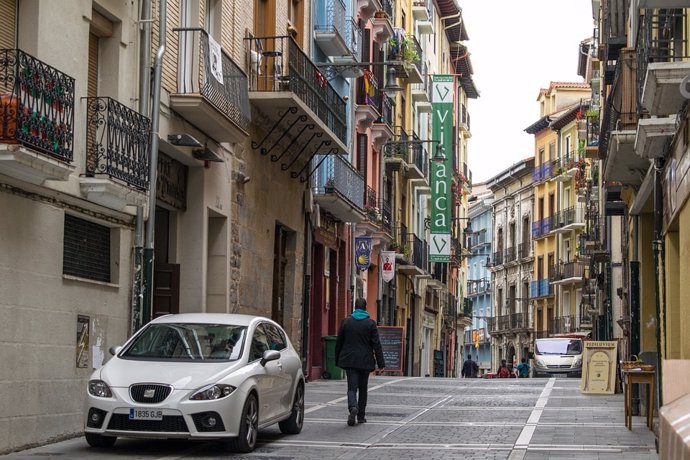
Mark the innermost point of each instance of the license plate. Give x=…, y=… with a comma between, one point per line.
x=145, y=414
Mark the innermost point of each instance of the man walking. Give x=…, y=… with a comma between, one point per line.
x=469, y=368
x=358, y=351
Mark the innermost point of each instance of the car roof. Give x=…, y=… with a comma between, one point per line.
x=211, y=318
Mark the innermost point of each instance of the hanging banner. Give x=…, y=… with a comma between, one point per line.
x=443, y=96
x=216, y=58
x=388, y=264
x=362, y=252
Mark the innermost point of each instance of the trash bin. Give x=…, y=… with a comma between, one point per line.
x=330, y=370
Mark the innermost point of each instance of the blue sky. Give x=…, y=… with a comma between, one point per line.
x=516, y=49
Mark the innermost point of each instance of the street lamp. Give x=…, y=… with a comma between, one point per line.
x=391, y=74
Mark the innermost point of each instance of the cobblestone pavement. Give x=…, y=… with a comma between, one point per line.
x=429, y=418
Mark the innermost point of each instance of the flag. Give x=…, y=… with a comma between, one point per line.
x=362, y=252
x=388, y=263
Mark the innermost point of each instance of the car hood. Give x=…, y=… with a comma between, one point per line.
x=181, y=375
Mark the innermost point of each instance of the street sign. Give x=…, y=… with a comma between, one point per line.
x=439, y=247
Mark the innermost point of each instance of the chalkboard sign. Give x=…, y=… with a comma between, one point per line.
x=391, y=338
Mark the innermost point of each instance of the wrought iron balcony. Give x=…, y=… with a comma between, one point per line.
x=421, y=92
x=117, y=142
x=570, y=273
x=510, y=255
x=497, y=258
x=505, y=323
x=564, y=325
x=296, y=98
x=540, y=288
x=338, y=188
x=337, y=34
x=619, y=123
x=37, y=116
x=663, y=52
x=524, y=250
x=478, y=287
x=117, y=154
x=211, y=94
x=367, y=101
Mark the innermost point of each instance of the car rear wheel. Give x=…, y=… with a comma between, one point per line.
x=293, y=424
x=249, y=427
x=98, y=440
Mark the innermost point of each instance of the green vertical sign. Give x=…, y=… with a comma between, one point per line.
x=443, y=96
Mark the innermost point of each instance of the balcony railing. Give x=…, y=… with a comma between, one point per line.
x=420, y=253
x=508, y=322
x=663, y=37
x=477, y=287
x=524, y=250
x=117, y=142
x=573, y=270
x=386, y=216
x=564, y=325
x=226, y=92
x=420, y=158
x=36, y=105
x=497, y=258
x=540, y=288
x=336, y=175
x=510, y=254
x=331, y=17
x=285, y=67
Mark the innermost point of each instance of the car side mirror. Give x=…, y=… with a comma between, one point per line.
x=115, y=350
x=269, y=355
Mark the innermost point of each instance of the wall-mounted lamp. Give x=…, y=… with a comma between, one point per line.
x=241, y=178
x=183, y=140
x=206, y=154
x=354, y=69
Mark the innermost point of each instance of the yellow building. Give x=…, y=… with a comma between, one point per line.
x=554, y=102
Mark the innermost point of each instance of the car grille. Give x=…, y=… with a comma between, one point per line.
x=170, y=423
x=559, y=366
x=142, y=392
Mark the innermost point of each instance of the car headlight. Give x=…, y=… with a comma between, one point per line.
x=216, y=391
x=577, y=361
x=99, y=388
x=540, y=363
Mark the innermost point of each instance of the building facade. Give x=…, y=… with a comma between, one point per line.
x=477, y=337
x=511, y=264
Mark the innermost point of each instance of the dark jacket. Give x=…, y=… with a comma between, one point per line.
x=358, y=345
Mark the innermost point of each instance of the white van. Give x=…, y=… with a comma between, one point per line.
x=558, y=355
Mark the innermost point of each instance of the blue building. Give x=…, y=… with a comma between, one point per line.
x=477, y=339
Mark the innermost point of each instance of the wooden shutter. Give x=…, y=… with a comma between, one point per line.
x=92, y=83
x=362, y=141
x=8, y=23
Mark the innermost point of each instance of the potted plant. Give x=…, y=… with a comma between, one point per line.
x=330, y=185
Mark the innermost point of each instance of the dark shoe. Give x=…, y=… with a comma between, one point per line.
x=351, y=417
x=361, y=420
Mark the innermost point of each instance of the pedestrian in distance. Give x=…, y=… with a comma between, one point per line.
x=358, y=351
x=523, y=368
x=470, y=369
x=503, y=371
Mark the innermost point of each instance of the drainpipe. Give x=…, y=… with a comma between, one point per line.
x=144, y=86
x=153, y=168
x=658, y=246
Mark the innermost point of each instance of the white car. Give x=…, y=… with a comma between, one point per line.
x=198, y=376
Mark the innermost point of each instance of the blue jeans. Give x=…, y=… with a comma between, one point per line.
x=357, y=380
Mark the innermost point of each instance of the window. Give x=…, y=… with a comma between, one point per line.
x=276, y=339
x=86, y=250
x=260, y=344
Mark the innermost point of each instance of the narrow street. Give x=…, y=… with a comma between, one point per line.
x=430, y=418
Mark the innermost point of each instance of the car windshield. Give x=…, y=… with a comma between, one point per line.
x=559, y=347
x=187, y=342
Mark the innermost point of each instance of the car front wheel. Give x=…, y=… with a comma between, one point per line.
x=293, y=424
x=249, y=427
x=97, y=440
